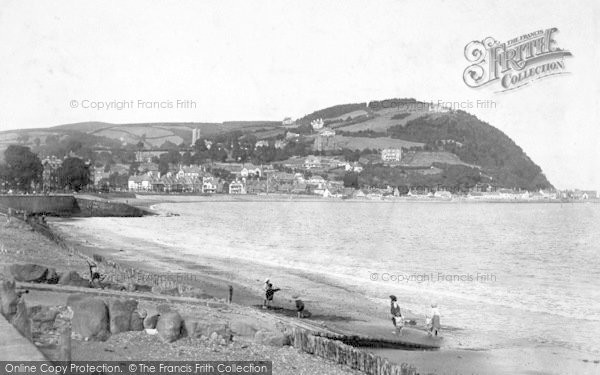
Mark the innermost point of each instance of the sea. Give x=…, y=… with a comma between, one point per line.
x=502, y=274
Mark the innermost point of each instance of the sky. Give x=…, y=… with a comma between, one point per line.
x=266, y=60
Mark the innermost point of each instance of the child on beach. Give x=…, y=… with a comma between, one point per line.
x=397, y=319
x=269, y=293
x=433, y=319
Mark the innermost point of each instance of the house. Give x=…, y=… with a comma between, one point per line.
x=99, y=175
x=317, y=182
x=359, y=194
x=317, y=124
x=325, y=140
x=279, y=144
x=50, y=173
x=442, y=194
x=193, y=171
x=256, y=187
x=251, y=171
x=262, y=143
x=391, y=154
x=209, y=185
x=139, y=183
x=312, y=162
x=287, y=121
x=353, y=167
x=237, y=187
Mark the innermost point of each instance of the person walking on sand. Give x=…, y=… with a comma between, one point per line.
x=396, y=315
x=434, y=318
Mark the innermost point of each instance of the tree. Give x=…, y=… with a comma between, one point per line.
x=75, y=174
x=351, y=180
x=23, y=167
x=186, y=158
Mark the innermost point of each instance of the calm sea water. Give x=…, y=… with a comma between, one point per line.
x=503, y=274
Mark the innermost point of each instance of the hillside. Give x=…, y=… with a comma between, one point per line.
x=437, y=143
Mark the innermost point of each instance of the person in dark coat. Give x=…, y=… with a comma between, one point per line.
x=396, y=315
x=300, y=308
x=269, y=293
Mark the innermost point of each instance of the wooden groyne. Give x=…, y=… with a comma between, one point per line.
x=347, y=355
x=379, y=342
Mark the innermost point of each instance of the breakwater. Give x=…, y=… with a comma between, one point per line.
x=343, y=354
x=69, y=205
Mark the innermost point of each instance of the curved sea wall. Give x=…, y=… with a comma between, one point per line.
x=60, y=205
x=69, y=205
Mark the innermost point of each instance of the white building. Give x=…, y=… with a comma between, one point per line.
x=195, y=135
x=391, y=154
x=317, y=124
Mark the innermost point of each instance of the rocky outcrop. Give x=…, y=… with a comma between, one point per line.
x=21, y=320
x=169, y=326
x=42, y=317
x=241, y=328
x=195, y=328
x=8, y=298
x=136, y=322
x=271, y=338
x=31, y=273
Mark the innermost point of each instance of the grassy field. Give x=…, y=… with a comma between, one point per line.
x=382, y=122
x=360, y=143
x=427, y=158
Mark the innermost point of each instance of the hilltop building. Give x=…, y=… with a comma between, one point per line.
x=195, y=135
x=317, y=124
x=391, y=155
x=287, y=121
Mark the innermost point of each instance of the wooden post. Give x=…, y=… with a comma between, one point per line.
x=230, y=299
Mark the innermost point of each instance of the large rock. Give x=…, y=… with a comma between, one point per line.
x=90, y=318
x=21, y=320
x=8, y=298
x=271, y=338
x=163, y=308
x=120, y=312
x=31, y=273
x=137, y=322
x=169, y=326
x=241, y=328
x=72, y=278
x=195, y=328
x=43, y=317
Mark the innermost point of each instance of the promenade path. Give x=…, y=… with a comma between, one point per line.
x=14, y=347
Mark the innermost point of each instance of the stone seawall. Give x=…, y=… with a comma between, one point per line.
x=69, y=205
x=59, y=205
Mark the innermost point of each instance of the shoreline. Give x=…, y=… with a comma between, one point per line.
x=248, y=278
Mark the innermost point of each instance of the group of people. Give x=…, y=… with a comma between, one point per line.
x=432, y=320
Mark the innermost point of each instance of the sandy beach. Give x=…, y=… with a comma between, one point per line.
x=332, y=303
